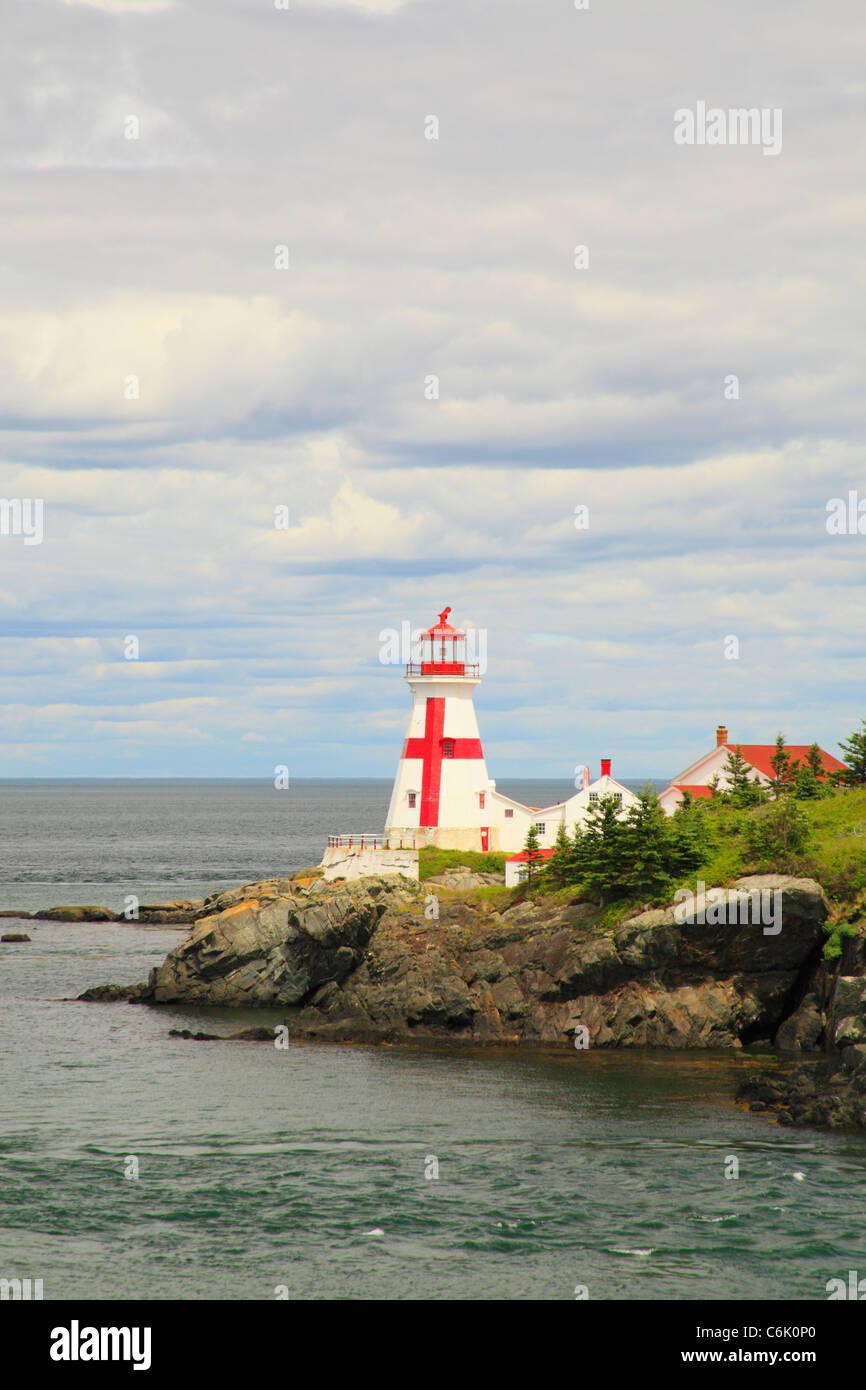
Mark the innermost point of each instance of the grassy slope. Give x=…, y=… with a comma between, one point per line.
x=835, y=855
x=438, y=861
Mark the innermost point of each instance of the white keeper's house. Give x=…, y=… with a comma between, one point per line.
x=442, y=792
x=696, y=779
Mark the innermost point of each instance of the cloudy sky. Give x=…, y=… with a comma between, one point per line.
x=166, y=384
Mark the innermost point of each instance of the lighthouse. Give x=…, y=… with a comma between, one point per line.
x=442, y=792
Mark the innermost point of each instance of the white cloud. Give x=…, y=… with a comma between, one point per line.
x=304, y=388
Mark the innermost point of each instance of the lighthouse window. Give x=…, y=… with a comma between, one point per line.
x=448, y=748
x=411, y=799
x=481, y=801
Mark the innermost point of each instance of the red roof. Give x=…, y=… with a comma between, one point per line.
x=759, y=755
x=697, y=791
x=524, y=854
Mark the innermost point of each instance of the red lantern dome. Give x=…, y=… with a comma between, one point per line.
x=443, y=651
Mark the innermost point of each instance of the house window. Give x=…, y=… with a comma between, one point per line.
x=540, y=827
x=481, y=801
x=593, y=796
x=509, y=813
x=448, y=748
x=412, y=799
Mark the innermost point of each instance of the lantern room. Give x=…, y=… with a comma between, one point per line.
x=443, y=651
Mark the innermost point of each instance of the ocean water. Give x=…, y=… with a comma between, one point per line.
x=93, y=842
x=307, y=1169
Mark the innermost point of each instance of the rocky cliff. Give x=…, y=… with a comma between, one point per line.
x=831, y=1014
x=385, y=959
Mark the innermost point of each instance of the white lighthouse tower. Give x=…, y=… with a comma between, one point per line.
x=442, y=795
x=442, y=792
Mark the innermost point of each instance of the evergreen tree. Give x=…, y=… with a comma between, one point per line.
x=581, y=853
x=600, y=851
x=533, y=854
x=645, y=849
x=780, y=762
x=854, y=754
x=806, y=786
x=636, y=856
x=743, y=790
x=688, y=838
x=560, y=866
x=814, y=761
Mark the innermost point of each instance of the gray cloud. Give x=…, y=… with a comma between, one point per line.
x=259, y=387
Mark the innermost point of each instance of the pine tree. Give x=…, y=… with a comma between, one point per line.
x=854, y=754
x=688, y=837
x=806, y=786
x=560, y=865
x=600, y=851
x=645, y=849
x=809, y=776
x=780, y=762
x=815, y=761
x=743, y=790
x=533, y=854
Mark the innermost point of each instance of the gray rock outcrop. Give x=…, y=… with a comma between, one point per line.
x=367, y=961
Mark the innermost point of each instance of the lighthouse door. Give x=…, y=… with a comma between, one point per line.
x=485, y=837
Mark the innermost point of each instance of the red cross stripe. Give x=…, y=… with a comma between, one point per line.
x=429, y=749
x=463, y=747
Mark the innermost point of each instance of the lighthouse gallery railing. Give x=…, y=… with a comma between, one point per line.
x=355, y=840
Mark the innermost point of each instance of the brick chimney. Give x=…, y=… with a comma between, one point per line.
x=721, y=735
x=605, y=767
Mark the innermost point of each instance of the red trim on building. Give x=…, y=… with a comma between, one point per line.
x=431, y=776
x=461, y=747
x=524, y=855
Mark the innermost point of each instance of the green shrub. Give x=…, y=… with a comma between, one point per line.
x=777, y=834
x=836, y=934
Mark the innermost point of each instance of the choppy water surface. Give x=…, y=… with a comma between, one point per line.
x=260, y=1167
x=306, y=1168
